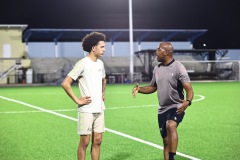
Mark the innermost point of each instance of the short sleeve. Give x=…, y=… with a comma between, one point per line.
x=183, y=75
x=77, y=70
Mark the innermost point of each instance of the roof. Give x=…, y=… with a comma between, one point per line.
x=139, y=35
x=202, y=52
x=13, y=26
x=178, y=51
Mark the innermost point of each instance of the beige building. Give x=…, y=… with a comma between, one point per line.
x=13, y=54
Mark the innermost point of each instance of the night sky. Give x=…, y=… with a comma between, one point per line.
x=220, y=17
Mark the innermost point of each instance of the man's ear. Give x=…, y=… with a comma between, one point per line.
x=93, y=48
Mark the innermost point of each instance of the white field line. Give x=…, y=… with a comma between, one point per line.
x=111, y=108
x=199, y=99
x=70, y=110
x=109, y=130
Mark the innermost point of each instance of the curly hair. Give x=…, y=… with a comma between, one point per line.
x=91, y=40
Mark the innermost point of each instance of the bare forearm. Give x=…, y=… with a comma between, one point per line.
x=103, y=85
x=189, y=95
x=68, y=89
x=104, y=81
x=189, y=91
x=147, y=89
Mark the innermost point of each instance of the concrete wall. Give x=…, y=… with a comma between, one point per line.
x=53, y=65
x=55, y=68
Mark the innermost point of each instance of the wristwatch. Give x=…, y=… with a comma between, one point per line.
x=190, y=102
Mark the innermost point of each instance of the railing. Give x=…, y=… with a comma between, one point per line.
x=124, y=78
x=9, y=70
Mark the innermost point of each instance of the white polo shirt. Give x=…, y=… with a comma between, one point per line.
x=89, y=75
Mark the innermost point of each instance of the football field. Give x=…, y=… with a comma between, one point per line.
x=39, y=123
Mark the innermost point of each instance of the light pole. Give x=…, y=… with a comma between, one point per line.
x=131, y=39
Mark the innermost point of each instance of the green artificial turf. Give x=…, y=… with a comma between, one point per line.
x=210, y=129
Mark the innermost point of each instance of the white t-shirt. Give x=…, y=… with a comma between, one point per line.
x=89, y=75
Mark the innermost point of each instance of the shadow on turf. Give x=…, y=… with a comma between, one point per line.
x=122, y=156
x=119, y=156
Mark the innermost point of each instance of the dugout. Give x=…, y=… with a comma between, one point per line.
x=201, y=64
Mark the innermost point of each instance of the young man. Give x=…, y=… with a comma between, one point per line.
x=90, y=74
x=169, y=79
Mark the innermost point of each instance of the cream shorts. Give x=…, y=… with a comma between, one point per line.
x=90, y=122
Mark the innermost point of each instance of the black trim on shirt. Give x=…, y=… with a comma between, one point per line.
x=161, y=64
x=180, y=89
x=170, y=62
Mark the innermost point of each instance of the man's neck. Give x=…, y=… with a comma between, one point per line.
x=169, y=60
x=92, y=57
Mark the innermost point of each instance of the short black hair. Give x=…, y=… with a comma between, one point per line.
x=91, y=40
